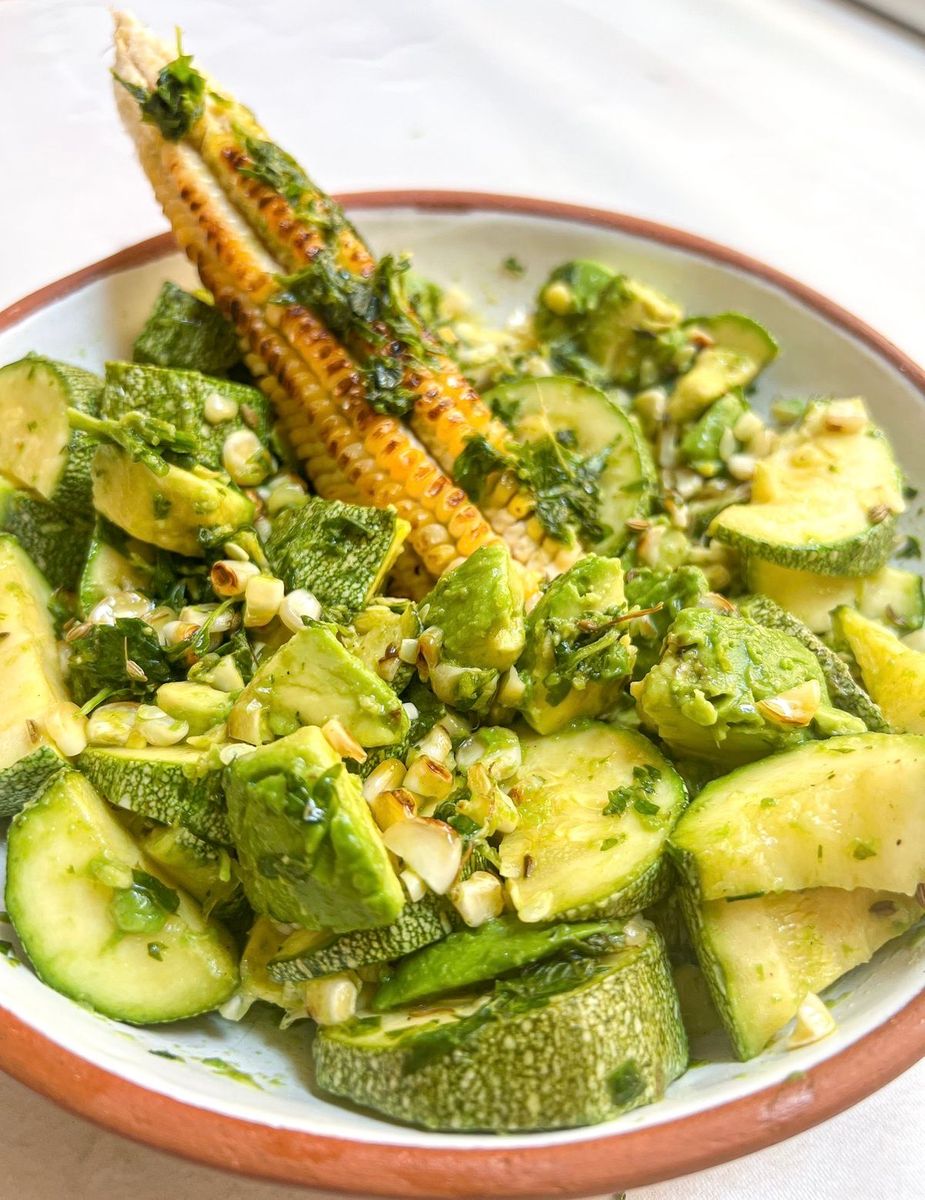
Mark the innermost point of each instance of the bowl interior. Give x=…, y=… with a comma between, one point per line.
x=252, y=1070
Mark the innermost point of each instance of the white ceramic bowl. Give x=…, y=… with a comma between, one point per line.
x=240, y=1096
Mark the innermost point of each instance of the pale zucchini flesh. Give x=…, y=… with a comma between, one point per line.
x=894, y=674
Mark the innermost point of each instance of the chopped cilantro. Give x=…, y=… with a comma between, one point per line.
x=513, y=266
x=175, y=103
x=637, y=793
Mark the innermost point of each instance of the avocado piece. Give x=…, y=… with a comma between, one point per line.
x=310, y=679
x=308, y=849
x=478, y=608
x=620, y=331
x=199, y=867
x=200, y=706
x=167, y=510
x=700, y=446
x=577, y=656
x=665, y=593
x=739, y=348
x=474, y=955
x=571, y=292
x=183, y=331
x=703, y=695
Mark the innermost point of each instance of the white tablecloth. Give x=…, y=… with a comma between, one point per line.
x=791, y=129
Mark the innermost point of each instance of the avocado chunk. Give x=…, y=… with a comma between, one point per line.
x=596, y=804
x=189, y=401
x=167, y=510
x=308, y=848
x=478, y=609
x=340, y=552
x=659, y=596
x=475, y=955
x=578, y=657
x=706, y=697
x=700, y=446
x=761, y=956
x=621, y=330
x=893, y=674
x=310, y=679
x=200, y=706
x=183, y=331
x=738, y=349
x=199, y=867
x=561, y=1044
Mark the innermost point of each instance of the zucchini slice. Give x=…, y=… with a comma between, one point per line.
x=825, y=500
x=99, y=924
x=596, y=805
x=588, y=422
x=174, y=785
x=113, y=563
x=564, y=1044
x=184, y=332
x=309, y=955
x=739, y=349
x=843, y=691
x=818, y=816
x=55, y=540
x=762, y=956
x=30, y=678
x=471, y=956
x=39, y=450
x=893, y=673
x=890, y=595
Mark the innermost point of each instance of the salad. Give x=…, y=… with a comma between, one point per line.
x=505, y=704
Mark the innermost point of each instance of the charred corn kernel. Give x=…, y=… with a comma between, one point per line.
x=429, y=847
x=387, y=776
x=392, y=806
x=797, y=706
x=218, y=408
x=262, y=597
x=296, y=606
x=111, y=724
x=479, y=898
x=332, y=1000
x=229, y=577
x=413, y=884
x=158, y=728
x=429, y=778
x=408, y=650
x=436, y=744
x=814, y=1022
x=245, y=458
x=66, y=726
x=342, y=741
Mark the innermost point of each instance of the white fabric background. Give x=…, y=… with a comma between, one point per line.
x=791, y=129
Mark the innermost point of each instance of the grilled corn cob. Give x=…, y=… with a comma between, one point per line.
x=242, y=235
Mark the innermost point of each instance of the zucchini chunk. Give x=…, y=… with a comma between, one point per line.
x=890, y=595
x=596, y=805
x=565, y=412
x=39, y=450
x=563, y=1044
x=578, y=656
x=56, y=541
x=184, y=332
x=340, y=552
x=739, y=349
x=727, y=691
x=700, y=446
x=204, y=870
x=175, y=785
x=818, y=816
x=113, y=563
x=894, y=674
x=825, y=500
x=843, y=691
x=211, y=409
x=30, y=677
x=308, y=848
x=166, y=510
x=471, y=956
x=762, y=956
x=310, y=679
x=309, y=955
x=97, y=921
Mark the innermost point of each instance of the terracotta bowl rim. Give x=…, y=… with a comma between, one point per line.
x=627, y=1159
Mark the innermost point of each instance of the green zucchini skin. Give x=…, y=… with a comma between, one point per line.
x=55, y=540
x=843, y=691
x=586, y=1055
x=861, y=555
x=168, y=785
x=25, y=780
x=418, y=924
x=185, y=333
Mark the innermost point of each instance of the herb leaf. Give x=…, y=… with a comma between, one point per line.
x=175, y=103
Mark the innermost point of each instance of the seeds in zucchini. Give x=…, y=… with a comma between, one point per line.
x=817, y=816
x=97, y=922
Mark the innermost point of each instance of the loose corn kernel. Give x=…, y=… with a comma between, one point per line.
x=245, y=458
x=229, y=577
x=429, y=847
x=814, y=1022
x=478, y=898
x=159, y=729
x=218, y=409
x=797, y=706
x=339, y=738
x=436, y=744
x=388, y=808
x=413, y=884
x=297, y=605
x=263, y=595
x=332, y=1000
x=111, y=724
x=66, y=726
x=389, y=774
x=429, y=778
